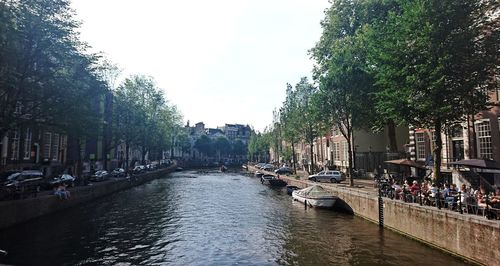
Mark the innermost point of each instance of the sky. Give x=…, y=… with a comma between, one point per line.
x=218, y=61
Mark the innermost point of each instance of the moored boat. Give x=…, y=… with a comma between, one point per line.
x=277, y=182
x=315, y=196
x=264, y=179
x=272, y=181
x=290, y=189
x=258, y=174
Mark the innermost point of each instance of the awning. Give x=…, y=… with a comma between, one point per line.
x=477, y=163
x=405, y=162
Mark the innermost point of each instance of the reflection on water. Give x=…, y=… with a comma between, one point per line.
x=208, y=218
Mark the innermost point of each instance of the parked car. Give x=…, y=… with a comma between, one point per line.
x=260, y=165
x=118, y=172
x=329, y=176
x=100, y=175
x=284, y=170
x=21, y=184
x=267, y=167
x=62, y=179
x=24, y=177
x=139, y=169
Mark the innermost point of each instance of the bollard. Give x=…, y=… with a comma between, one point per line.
x=420, y=197
x=487, y=207
x=305, y=204
x=438, y=197
x=460, y=202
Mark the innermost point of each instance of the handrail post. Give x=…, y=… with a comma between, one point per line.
x=460, y=202
x=420, y=197
x=438, y=199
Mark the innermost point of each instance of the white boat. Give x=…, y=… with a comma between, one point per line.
x=315, y=196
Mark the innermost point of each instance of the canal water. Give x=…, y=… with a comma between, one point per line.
x=208, y=218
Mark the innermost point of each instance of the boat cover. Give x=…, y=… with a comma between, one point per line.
x=315, y=191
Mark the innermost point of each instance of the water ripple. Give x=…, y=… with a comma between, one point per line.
x=207, y=218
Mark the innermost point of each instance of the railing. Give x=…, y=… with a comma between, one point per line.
x=469, y=205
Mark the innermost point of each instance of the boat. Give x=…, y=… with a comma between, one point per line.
x=258, y=174
x=315, y=196
x=290, y=189
x=272, y=181
x=244, y=167
x=277, y=182
x=264, y=179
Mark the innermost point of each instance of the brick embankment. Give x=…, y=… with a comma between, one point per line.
x=18, y=211
x=471, y=237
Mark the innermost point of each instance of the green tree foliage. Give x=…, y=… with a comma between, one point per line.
x=344, y=85
x=205, y=145
x=44, y=74
x=258, y=146
x=222, y=146
x=239, y=148
x=143, y=118
x=433, y=62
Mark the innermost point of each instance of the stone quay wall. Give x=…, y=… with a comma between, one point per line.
x=471, y=237
x=18, y=211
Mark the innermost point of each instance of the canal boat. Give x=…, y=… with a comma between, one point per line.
x=272, y=181
x=290, y=189
x=315, y=196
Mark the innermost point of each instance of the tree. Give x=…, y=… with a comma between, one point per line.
x=344, y=85
x=258, y=146
x=239, y=148
x=434, y=64
x=41, y=61
x=205, y=146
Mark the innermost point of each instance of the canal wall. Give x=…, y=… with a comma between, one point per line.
x=17, y=211
x=471, y=237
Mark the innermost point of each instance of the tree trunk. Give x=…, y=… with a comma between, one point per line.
x=293, y=159
x=437, y=150
x=349, y=155
x=473, y=154
x=311, y=147
x=172, y=148
x=391, y=132
x=126, y=156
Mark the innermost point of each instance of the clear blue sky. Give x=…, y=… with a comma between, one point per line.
x=219, y=61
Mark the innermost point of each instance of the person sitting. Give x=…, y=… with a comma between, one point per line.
x=415, y=188
x=495, y=199
x=61, y=192
x=464, y=194
x=450, y=195
x=398, y=190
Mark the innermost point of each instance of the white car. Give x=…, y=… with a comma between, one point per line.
x=333, y=176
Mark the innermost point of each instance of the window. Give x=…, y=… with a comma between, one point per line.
x=55, y=147
x=15, y=145
x=19, y=107
x=483, y=133
x=27, y=144
x=457, y=131
x=420, y=145
x=336, y=151
x=346, y=158
x=47, y=138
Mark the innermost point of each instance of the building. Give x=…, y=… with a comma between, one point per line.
x=33, y=147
